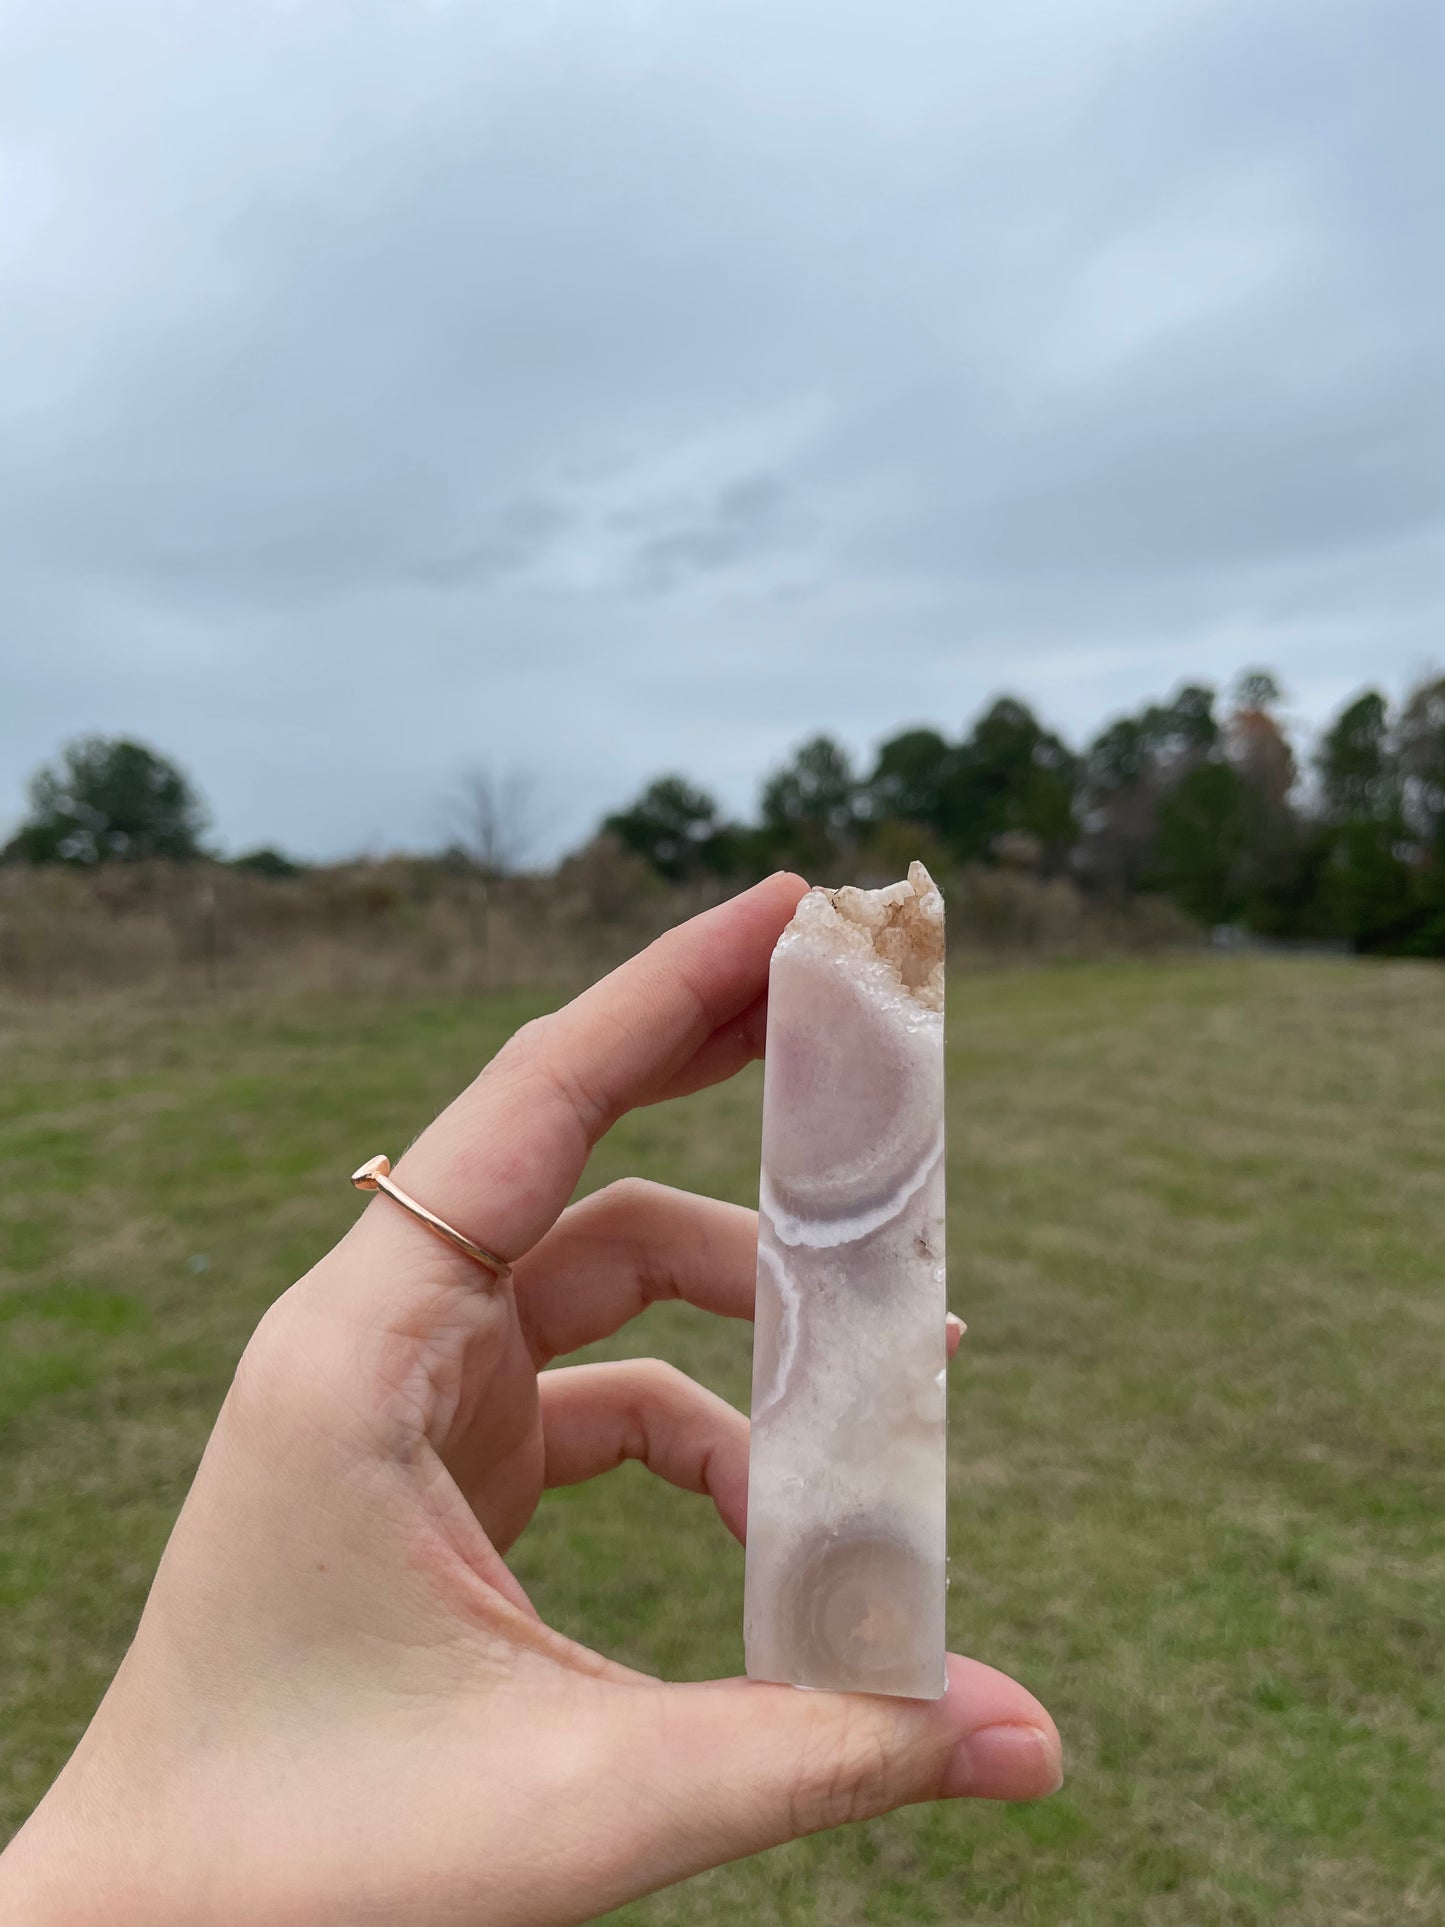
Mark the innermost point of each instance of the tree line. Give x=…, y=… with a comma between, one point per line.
x=1195, y=798
x=1199, y=798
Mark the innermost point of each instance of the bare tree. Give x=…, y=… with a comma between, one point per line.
x=496, y=818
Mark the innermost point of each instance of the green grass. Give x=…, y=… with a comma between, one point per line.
x=1198, y=1232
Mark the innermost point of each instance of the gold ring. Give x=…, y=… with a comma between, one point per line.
x=375, y=1175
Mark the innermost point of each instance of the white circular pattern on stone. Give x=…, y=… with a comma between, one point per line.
x=775, y=1335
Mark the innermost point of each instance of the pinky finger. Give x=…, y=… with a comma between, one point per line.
x=595, y=1417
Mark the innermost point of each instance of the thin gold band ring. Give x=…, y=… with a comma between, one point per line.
x=375, y=1175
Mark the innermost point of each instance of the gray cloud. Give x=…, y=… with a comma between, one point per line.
x=650, y=386
x=740, y=522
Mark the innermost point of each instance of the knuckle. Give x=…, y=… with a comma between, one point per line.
x=589, y=1104
x=631, y=1212
x=535, y=1054
x=528, y=1054
x=624, y=1197
x=656, y=1382
x=523, y=1053
x=529, y=1040
x=846, y=1773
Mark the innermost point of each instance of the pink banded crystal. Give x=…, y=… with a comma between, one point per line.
x=846, y=1558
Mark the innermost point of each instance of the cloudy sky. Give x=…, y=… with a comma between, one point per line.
x=598, y=387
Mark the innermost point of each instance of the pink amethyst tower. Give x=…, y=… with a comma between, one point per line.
x=846, y=1564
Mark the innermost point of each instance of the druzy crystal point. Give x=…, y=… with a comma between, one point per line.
x=845, y=1563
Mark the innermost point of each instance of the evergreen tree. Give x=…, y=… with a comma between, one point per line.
x=1009, y=773
x=672, y=824
x=1368, y=895
x=1422, y=767
x=811, y=807
x=108, y=800
x=910, y=778
x=1203, y=843
x=1128, y=770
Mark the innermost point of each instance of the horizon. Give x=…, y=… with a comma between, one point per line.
x=547, y=849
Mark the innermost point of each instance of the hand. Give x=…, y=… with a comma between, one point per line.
x=340, y=1705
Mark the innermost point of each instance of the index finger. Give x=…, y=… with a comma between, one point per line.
x=503, y=1159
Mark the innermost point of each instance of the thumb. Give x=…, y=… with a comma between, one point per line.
x=754, y=1765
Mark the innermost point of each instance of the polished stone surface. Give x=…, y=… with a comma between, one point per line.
x=846, y=1558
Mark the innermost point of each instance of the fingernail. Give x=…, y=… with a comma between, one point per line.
x=1005, y=1763
x=955, y=1323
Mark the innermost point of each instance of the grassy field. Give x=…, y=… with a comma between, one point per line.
x=1198, y=1232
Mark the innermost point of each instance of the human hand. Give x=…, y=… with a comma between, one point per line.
x=340, y=1705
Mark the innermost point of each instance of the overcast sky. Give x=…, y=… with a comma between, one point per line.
x=601, y=388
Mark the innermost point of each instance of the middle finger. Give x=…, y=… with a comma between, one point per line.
x=632, y=1245
x=626, y=1247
